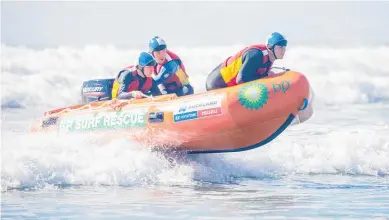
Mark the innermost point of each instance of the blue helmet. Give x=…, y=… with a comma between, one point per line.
x=276, y=38
x=157, y=44
x=145, y=59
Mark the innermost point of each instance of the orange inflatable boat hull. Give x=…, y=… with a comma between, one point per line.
x=232, y=119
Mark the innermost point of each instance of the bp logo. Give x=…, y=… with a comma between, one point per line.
x=253, y=96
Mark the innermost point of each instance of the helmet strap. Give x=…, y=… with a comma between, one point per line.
x=274, y=54
x=272, y=50
x=141, y=70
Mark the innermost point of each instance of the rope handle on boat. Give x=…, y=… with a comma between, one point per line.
x=281, y=68
x=119, y=106
x=148, y=96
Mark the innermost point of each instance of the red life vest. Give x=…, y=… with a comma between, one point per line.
x=137, y=83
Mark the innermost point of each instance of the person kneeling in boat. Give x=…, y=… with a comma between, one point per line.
x=170, y=71
x=135, y=81
x=251, y=63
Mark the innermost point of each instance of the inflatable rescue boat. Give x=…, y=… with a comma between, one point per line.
x=232, y=119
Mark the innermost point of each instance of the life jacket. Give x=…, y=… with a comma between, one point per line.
x=231, y=66
x=137, y=83
x=177, y=80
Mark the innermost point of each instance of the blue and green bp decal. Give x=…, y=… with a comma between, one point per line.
x=253, y=96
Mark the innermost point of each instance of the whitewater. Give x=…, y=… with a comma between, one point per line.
x=335, y=165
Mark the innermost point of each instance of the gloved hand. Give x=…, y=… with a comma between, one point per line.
x=167, y=70
x=137, y=94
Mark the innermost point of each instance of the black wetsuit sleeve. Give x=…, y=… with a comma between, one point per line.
x=124, y=81
x=252, y=60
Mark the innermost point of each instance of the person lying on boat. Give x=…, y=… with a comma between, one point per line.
x=136, y=81
x=251, y=63
x=170, y=71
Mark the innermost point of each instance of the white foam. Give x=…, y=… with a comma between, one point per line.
x=36, y=161
x=41, y=160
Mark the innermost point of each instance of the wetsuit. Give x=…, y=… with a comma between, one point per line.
x=249, y=64
x=177, y=81
x=128, y=80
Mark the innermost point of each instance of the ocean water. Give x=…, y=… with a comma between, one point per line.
x=333, y=166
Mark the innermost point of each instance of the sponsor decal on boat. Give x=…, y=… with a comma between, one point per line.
x=156, y=117
x=253, y=96
x=210, y=112
x=204, y=107
x=47, y=122
x=104, y=121
x=281, y=87
x=185, y=116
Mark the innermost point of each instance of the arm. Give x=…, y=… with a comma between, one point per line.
x=125, y=80
x=182, y=66
x=167, y=70
x=252, y=61
x=177, y=58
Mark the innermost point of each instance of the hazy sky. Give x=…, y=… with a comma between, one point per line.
x=132, y=24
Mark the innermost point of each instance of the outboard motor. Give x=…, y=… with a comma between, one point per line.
x=96, y=90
